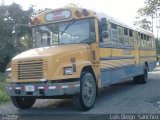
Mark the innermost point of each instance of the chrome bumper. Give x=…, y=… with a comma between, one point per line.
x=43, y=89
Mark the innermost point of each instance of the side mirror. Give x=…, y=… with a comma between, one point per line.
x=104, y=34
x=104, y=29
x=103, y=21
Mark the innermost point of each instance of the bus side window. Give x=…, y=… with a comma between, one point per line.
x=142, y=44
x=145, y=41
x=130, y=37
x=135, y=38
x=153, y=42
x=148, y=42
x=150, y=38
x=120, y=35
x=126, y=39
x=114, y=33
x=139, y=39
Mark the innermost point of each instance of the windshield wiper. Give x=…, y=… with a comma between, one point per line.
x=69, y=24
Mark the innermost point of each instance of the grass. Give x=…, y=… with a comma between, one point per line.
x=3, y=95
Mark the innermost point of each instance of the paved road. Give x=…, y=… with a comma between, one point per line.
x=122, y=98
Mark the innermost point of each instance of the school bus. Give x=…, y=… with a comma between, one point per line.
x=75, y=52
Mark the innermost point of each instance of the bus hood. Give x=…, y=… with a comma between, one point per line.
x=50, y=51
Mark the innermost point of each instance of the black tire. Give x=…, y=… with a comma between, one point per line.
x=23, y=102
x=88, y=92
x=142, y=79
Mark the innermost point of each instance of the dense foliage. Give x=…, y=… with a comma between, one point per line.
x=11, y=15
x=14, y=15
x=148, y=17
x=147, y=14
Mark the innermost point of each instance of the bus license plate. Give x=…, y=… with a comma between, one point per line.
x=29, y=88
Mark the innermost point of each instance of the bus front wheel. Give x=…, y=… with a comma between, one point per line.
x=88, y=89
x=23, y=102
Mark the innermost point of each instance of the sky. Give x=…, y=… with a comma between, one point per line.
x=123, y=10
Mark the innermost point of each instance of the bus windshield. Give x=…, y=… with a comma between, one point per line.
x=70, y=32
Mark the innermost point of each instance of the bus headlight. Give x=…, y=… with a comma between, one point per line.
x=8, y=73
x=68, y=70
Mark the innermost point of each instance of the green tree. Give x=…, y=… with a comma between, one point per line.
x=147, y=13
x=144, y=23
x=9, y=16
x=14, y=15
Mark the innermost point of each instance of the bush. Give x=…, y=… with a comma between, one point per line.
x=3, y=95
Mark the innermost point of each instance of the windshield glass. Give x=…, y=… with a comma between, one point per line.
x=70, y=32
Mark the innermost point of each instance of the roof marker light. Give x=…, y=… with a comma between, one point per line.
x=78, y=14
x=85, y=12
x=35, y=21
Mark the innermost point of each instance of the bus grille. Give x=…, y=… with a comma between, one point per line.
x=30, y=69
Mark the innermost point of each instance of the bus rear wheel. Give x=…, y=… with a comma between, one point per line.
x=23, y=102
x=142, y=79
x=88, y=90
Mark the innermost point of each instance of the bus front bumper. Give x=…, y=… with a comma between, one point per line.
x=43, y=89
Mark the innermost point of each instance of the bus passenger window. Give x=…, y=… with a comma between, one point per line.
x=120, y=35
x=114, y=34
x=135, y=38
x=126, y=31
x=131, y=37
x=145, y=40
x=142, y=43
x=142, y=36
x=150, y=41
x=130, y=33
x=126, y=37
x=153, y=43
x=139, y=39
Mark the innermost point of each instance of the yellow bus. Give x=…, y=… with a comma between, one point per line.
x=77, y=51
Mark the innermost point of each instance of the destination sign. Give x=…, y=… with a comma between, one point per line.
x=58, y=15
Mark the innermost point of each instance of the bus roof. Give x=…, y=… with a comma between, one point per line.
x=115, y=21
x=63, y=14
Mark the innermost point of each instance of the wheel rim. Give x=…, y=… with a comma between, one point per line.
x=89, y=90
